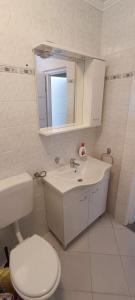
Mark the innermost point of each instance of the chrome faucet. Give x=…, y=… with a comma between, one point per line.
x=73, y=163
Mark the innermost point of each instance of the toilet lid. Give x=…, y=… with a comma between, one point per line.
x=34, y=267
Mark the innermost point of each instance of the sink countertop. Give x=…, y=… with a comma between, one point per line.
x=64, y=178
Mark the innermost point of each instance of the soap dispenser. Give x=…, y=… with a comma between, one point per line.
x=82, y=151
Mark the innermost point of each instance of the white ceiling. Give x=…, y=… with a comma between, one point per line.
x=102, y=4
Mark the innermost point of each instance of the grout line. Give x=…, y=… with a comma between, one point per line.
x=21, y=100
x=90, y=270
x=126, y=255
x=90, y=252
x=125, y=275
x=110, y=294
x=19, y=125
x=92, y=293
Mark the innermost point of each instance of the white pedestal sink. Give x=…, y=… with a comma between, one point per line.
x=76, y=198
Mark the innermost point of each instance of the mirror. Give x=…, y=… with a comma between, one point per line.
x=59, y=78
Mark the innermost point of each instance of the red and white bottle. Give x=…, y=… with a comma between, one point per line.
x=82, y=151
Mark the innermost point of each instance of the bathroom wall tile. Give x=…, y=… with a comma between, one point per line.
x=120, y=62
x=108, y=275
x=13, y=114
x=47, y=25
x=123, y=189
x=27, y=225
x=118, y=46
x=127, y=168
x=120, y=213
x=16, y=87
x=7, y=237
x=117, y=97
x=78, y=265
x=116, y=35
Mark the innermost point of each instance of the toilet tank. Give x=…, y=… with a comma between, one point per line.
x=16, y=198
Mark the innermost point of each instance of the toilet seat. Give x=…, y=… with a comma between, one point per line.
x=35, y=268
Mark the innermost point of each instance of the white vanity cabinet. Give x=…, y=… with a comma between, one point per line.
x=70, y=213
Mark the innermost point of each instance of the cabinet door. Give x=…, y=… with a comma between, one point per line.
x=54, y=211
x=93, y=91
x=97, y=92
x=97, y=198
x=75, y=214
x=104, y=190
x=94, y=203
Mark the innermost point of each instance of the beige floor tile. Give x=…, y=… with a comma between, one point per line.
x=126, y=241
x=116, y=224
x=129, y=267
x=108, y=275
x=102, y=240
x=109, y=297
x=71, y=295
x=75, y=271
x=80, y=244
x=103, y=221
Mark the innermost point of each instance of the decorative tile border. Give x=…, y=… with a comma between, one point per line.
x=29, y=71
x=120, y=76
x=18, y=70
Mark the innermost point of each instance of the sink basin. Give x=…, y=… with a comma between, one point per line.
x=88, y=173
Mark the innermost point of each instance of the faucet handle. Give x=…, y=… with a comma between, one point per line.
x=72, y=160
x=73, y=163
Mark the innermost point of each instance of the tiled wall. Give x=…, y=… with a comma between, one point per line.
x=115, y=114
x=118, y=30
x=126, y=197
x=117, y=132
x=23, y=25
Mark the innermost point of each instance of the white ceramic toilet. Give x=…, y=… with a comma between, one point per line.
x=34, y=264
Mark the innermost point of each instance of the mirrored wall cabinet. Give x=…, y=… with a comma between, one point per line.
x=70, y=89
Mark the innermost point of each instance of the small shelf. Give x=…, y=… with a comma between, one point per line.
x=53, y=131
